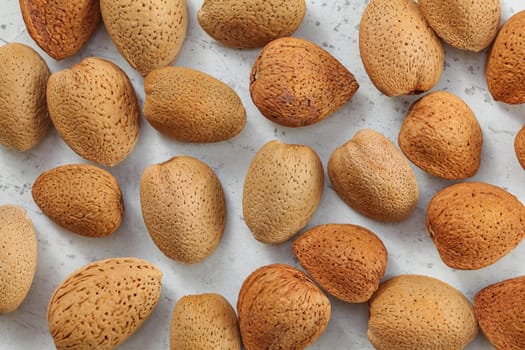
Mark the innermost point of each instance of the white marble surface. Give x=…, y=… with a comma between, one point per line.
x=334, y=26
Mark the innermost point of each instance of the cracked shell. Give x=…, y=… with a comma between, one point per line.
x=24, y=119
x=401, y=53
x=184, y=208
x=442, y=136
x=464, y=24
x=94, y=108
x=371, y=175
x=500, y=312
x=418, y=312
x=81, y=198
x=282, y=190
x=505, y=69
x=519, y=146
x=61, y=27
x=148, y=33
x=202, y=322
x=191, y=106
x=103, y=303
x=347, y=261
x=250, y=23
x=296, y=83
x=279, y=307
x=475, y=224
x=18, y=257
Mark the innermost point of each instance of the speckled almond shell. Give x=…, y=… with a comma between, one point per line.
x=24, y=119
x=81, y=198
x=279, y=307
x=401, y=53
x=371, y=175
x=184, y=208
x=296, y=83
x=250, y=23
x=418, y=312
x=347, y=261
x=464, y=24
x=148, y=33
x=519, y=146
x=505, y=69
x=61, y=27
x=442, y=136
x=500, y=312
x=475, y=224
x=282, y=190
x=191, y=106
x=202, y=322
x=94, y=108
x=103, y=303
x=18, y=256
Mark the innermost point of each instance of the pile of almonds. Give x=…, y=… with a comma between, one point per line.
x=294, y=83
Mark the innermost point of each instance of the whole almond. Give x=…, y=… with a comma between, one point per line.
x=95, y=110
x=61, y=27
x=148, y=33
x=464, y=24
x=475, y=224
x=296, y=83
x=418, y=312
x=192, y=106
x=372, y=176
x=442, y=136
x=202, y=322
x=81, y=198
x=250, y=23
x=103, y=303
x=280, y=308
x=505, y=69
x=24, y=119
x=18, y=256
x=184, y=208
x=499, y=310
x=347, y=261
x=519, y=146
x=282, y=190
x=400, y=52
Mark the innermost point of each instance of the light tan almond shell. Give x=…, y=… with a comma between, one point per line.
x=296, y=83
x=371, y=175
x=184, y=208
x=148, y=33
x=475, y=224
x=18, y=256
x=81, y=198
x=203, y=322
x=347, y=261
x=94, y=108
x=191, y=106
x=442, y=136
x=61, y=27
x=250, y=23
x=417, y=312
x=464, y=24
x=24, y=119
x=505, y=69
x=279, y=307
x=401, y=53
x=103, y=303
x=499, y=310
x=282, y=190
x=519, y=146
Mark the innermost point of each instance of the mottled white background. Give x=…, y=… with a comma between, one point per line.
x=332, y=25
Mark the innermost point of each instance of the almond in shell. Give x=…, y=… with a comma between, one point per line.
x=296, y=83
x=519, y=146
